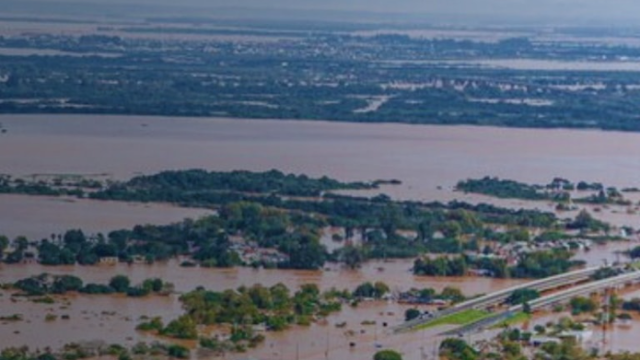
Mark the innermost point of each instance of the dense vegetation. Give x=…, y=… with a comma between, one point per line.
x=632, y=305
x=8, y=185
x=634, y=253
x=522, y=296
x=441, y=266
x=207, y=240
x=46, y=284
x=387, y=355
x=558, y=190
x=508, y=189
x=544, y=264
x=539, y=264
x=583, y=305
x=369, y=290
x=420, y=80
x=275, y=308
x=256, y=212
x=428, y=295
x=188, y=185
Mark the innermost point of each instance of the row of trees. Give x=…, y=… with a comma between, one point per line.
x=45, y=284
x=538, y=264
x=184, y=185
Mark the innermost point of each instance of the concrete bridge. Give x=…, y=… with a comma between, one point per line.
x=549, y=300
x=499, y=297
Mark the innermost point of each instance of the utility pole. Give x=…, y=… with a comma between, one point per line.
x=605, y=318
x=423, y=354
x=326, y=350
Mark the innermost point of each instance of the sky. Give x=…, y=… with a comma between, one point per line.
x=600, y=11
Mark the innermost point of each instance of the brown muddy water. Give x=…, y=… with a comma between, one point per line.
x=113, y=319
x=424, y=157
x=39, y=216
x=397, y=274
x=428, y=159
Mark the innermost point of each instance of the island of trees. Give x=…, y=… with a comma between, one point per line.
x=282, y=217
x=558, y=190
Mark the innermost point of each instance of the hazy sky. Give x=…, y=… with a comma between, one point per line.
x=551, y=7
x=598, y=10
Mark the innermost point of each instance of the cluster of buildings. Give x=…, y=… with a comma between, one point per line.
x=513, y=252
x=250, y=253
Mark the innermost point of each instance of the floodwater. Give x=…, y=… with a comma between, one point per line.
x=606, y=254
x=423, y=157
x=396, y=273
x=617, y=338
x=40, y=216
x=428, y=159
x=108, y=319
x=622, y=336
x=113, y=318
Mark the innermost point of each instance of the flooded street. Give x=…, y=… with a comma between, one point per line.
x=599, y=255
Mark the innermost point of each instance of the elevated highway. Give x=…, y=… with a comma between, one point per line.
x=549, y=300
x=498, y=297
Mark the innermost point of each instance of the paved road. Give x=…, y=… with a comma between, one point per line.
x=549, y=300
x=499, y=297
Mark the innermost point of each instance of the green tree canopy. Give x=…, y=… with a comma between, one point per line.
x=387, y=355
x=120, y=283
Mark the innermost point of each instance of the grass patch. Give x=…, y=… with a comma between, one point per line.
x=513, y=320
x=461, y=318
